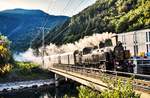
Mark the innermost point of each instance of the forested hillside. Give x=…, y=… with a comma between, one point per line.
x=21, y=26
x=104, y=16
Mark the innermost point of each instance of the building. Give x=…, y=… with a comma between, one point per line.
x=136, y=41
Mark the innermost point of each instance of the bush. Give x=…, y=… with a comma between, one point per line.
x=117, y=89
x=25, y=67
x=5, y=56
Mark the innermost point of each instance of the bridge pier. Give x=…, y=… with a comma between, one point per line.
x=59, y=78
x=56, y=80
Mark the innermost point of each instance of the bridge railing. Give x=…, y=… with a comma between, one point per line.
x=107, y=74
x=98, y=72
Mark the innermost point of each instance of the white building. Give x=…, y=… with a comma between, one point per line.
x=136, y=41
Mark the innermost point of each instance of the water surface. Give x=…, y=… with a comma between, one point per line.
x=51, y=92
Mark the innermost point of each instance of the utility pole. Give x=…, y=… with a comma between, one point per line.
x=43, y=43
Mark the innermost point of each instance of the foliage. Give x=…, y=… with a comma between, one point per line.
x=85, y=92
x=25, y=67
x=5, y=69
x=104, y=16
x=5, y=55
x=23, y=71
x=118, y=89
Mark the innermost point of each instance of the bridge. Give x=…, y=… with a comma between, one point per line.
x=96, y=78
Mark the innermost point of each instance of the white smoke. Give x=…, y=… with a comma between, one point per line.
x=87, y=41
x=52, y=49
x=27, y=56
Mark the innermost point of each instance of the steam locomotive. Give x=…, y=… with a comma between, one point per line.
x=109, y=55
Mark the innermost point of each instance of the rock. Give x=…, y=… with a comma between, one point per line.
x=4, y=90
x=34, y=86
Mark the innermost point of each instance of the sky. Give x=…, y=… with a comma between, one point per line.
x=53, y=7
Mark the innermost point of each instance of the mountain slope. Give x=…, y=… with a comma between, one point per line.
x=21, y=26
x=104, y=16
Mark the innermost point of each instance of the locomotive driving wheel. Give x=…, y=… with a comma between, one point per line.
x=103, y=66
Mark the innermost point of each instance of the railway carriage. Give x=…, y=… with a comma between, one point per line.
x=54, y=59
x=67, y=58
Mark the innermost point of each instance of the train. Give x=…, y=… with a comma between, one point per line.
x=108, y=55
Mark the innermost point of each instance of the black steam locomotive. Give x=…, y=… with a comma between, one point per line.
x=109, y=55
x=105, y=57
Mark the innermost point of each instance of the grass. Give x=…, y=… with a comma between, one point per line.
x=22, y=71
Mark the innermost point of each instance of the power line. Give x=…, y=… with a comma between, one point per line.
x=43, y=33
x=79, y=4
x=42, y=28
x=68, y=24
x=88, y=23
x=66, y=6
x=46, y=19
x=68, y=3
x=55, y=36
x=44, y=22
x=59, y=33
x=84, y=32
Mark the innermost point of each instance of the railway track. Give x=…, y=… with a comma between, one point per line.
x=139, y=81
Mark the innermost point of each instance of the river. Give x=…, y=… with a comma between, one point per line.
x=66, y=88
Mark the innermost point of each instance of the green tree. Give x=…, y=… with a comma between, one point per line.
x=5, y=55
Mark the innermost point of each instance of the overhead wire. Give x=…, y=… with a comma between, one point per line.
x=50, y=6
x=68, y=24
x=59, y=33
x=68, y=3
x=48, y=9
x=66, y=6
x=84, y=32
x=79, y=5
x=44, y=23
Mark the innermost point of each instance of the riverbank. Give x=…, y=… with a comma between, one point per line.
x=26, y=71
x=13, y=87
x=25, y=76
x=45, y=91
x=27, y=79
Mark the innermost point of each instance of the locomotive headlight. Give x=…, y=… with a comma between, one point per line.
x=117, y=63
x=119, y=67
